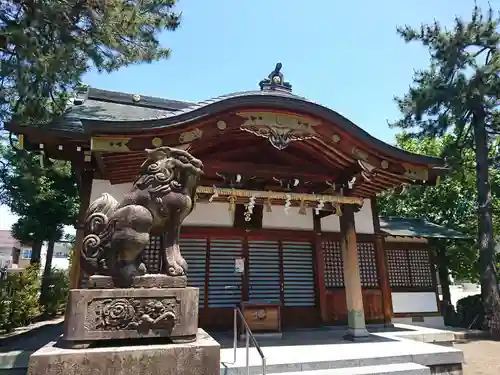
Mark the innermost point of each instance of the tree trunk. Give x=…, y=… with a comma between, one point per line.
x=489, y=286
x=443, y=271
x=47, y=271
x=36, y=251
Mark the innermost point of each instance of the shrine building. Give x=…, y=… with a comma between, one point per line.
x=286, y=213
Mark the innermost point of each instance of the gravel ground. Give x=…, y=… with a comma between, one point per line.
x=482, y=357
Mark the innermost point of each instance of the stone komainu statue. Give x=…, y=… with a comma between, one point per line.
x=116, y=233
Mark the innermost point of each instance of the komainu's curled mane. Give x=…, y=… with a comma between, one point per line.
x=116, y=233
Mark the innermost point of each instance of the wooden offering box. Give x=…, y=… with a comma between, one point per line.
x=262, y=316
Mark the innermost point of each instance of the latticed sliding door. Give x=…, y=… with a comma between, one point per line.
x=334, y=268
x=410, y=270
x=152, y=254
x=264, y=275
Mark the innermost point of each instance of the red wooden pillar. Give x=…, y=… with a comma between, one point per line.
x=354, y=296
x=86, y=174
x=320, y=269
x=383, y=274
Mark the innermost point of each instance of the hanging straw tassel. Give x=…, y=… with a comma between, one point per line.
x=338, y=210
x=269, y=207
x=232, y=203
x=302, y=209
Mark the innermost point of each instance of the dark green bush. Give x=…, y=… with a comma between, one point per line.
x=55, y=296
x=470, y=312
x=21, y=292
x=20, y=297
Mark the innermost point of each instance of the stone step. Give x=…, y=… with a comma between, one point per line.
x=304, y=358
x=395, y=369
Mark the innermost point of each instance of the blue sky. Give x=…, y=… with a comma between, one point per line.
x=345, y=55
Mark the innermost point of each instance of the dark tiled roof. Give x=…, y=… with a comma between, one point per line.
x=110, y=106
x=408, y=227
x=100, y=111
x=103, y=105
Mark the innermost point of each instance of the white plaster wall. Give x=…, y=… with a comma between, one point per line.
x=363, y=220
x=215, y=214
x=414, y=302
x=277, y=219
x=117, y=191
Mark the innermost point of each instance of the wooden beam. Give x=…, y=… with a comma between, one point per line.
x=266, y=170
x=101, y=166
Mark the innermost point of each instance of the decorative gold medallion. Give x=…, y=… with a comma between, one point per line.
x=157, y=142
x=279, y=129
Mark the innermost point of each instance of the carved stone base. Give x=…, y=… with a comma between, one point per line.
x=159, y=281
x=145, y=281
x=100, y=282
x=200, y=357
x=110, y=314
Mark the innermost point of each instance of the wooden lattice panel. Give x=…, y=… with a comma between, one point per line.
x=334, y=272
x=420, y=266
x=367, y=258
x=151, y=255
x=397, y=268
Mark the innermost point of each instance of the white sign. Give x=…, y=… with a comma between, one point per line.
x=239, y=265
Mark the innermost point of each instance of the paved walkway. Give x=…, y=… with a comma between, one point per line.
x=482, y=357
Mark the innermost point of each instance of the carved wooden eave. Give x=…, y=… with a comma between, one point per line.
x=316, y=142
x=278, y=128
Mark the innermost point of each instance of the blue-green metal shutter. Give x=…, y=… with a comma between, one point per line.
x=224, y=284
x=298, y=270
x=264, y=271
x=194, y=251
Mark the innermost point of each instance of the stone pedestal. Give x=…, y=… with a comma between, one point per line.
x=157, y=306
x=199, y=357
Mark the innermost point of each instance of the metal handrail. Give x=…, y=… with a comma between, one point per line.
x=248, y=335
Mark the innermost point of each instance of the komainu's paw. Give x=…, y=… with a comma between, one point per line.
x=174, y=264
x=142, y=269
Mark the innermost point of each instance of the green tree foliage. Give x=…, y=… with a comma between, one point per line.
x=57, y=292
x=46, y=46
x=452, y=203
x=46, y=198
x=460, y=91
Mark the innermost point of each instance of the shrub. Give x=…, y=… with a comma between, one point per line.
x=23, y=306
x=470, y=311
x=56, y=293
x=5, y=302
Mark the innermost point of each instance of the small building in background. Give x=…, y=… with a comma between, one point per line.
x=60, y=259
x=9, y=249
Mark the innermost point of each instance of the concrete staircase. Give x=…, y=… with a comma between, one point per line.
x=404, y=357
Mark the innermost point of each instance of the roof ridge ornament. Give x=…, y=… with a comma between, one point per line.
x=275, y=81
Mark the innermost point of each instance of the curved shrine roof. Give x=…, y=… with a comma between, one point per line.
x=102, y=111
x=338, y=145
